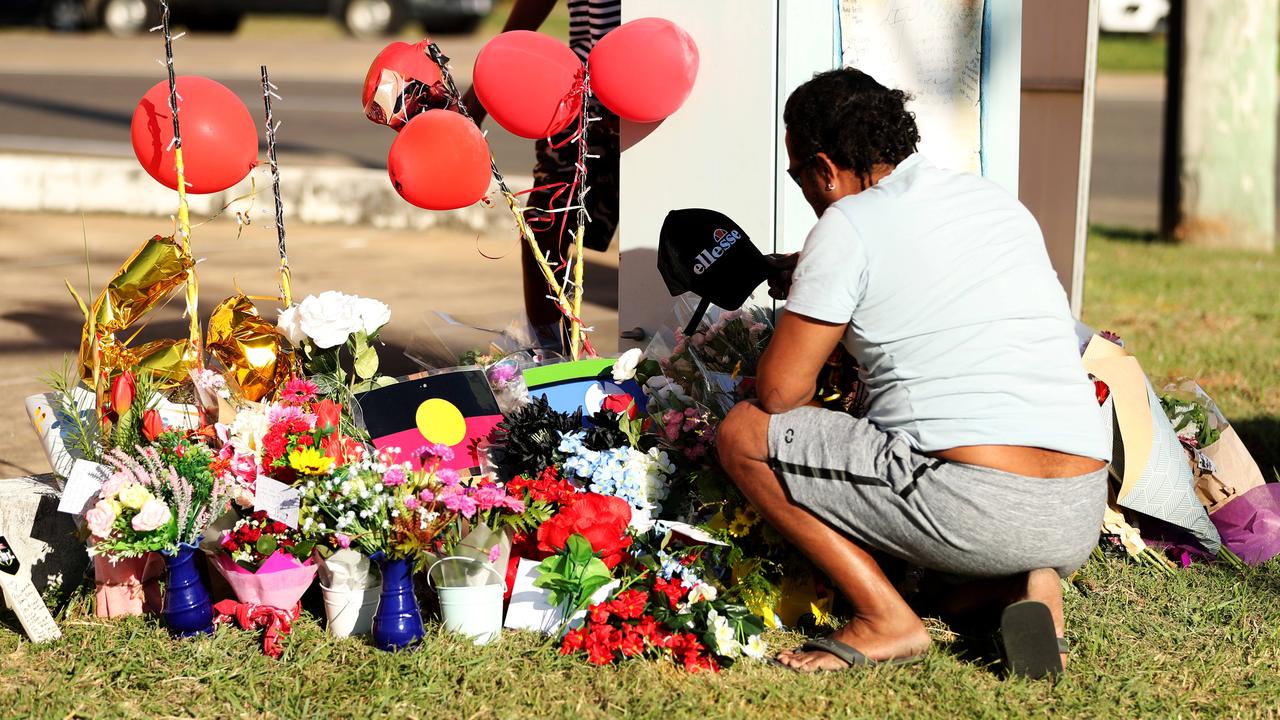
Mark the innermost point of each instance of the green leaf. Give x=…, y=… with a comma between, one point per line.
x=266, y=544
x=579, y=549
x=359, y=343
x=548, y=579
x=366, y=363
x=590, y=586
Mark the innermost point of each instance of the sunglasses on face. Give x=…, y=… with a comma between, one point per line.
x=794, y=172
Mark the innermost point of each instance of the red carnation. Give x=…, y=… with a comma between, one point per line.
x=601, y=519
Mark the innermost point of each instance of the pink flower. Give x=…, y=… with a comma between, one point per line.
x=100, y=518
x=411, y=502
x=495, y=553
x=152, y=515
x=342, y=540
x=502, y=374
x=488, y=497
x=298, y=392
x=393, y=476
x=245, y=468
x=438, y=451
x=113, y=484
x=290, y=416
x=449, y=477
x=426, y=496
x=515, y=505
x=458, y=501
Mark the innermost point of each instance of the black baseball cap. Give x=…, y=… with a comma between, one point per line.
x=704, y=252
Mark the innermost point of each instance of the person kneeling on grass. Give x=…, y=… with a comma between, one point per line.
x=983, y=454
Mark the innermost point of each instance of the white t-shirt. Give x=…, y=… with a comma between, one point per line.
x=955, y=315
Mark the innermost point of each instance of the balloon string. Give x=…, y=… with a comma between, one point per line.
x=268, y=91
x=196, y=351
x=526, y=233
x=578, y=342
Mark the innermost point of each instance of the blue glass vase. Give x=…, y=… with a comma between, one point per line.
x=187, y=610
x=398, y=623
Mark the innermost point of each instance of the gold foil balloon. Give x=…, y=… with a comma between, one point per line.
x=254, y=353
x=146, y=279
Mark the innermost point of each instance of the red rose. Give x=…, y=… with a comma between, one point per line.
x=152, y=425
x=620, y=403
x=601, y=519
x=328, y=414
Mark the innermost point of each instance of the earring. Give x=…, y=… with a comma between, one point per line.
x=830, y=186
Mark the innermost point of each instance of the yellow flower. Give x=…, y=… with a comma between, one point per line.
x=749, y=514
x=310, y=461
x=738, y=527
x=133, y=496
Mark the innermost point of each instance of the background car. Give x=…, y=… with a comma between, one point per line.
x=1132, y=16
x=361, y=18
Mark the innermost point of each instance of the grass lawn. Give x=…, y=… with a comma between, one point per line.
x=1131, y=53
x=1204, y=643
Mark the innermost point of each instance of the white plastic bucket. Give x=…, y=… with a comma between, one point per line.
x=350, y=612
x=472, y=610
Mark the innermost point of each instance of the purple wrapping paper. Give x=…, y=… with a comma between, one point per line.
x=1250, y=524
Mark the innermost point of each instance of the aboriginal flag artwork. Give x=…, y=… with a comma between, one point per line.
x=455, y=409
x=583, y=384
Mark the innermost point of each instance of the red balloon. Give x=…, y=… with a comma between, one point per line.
x=440, y=161
x=644, y=70
x=526, y=81
x=219, y=138
x=411, y=61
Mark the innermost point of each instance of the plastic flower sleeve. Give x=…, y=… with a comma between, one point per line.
x=347, y=570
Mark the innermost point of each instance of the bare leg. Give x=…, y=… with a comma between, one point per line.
x=883, y=627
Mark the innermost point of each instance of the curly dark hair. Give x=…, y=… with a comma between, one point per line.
x=855, y=120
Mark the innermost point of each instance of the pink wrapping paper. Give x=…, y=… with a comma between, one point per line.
x=129, y=586
x=279, y=582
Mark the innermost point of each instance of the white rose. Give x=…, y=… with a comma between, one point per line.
x=329, y=318
x=625, y=367
x=373, y=314
x=288, y=325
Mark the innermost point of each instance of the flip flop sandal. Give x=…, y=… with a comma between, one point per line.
x=849, y=654
x=1029, y=642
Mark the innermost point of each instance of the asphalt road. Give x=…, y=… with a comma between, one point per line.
x=321, y=121
x=63, y=94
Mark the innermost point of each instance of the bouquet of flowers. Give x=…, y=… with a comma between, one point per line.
x=322, y=326
x=164, y=497
x=265, y=562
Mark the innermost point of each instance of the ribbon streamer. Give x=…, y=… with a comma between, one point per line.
x=557, y=290
x=275, y=622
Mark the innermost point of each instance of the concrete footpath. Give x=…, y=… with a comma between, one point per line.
x=415, y=271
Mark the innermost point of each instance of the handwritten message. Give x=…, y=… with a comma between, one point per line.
x=932, y=49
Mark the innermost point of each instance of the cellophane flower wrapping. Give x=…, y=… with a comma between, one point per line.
x=280, y=582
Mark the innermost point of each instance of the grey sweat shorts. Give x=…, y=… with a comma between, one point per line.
x=954, y=518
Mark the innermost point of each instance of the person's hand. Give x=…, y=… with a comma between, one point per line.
x=473, y=106
x=781, y=268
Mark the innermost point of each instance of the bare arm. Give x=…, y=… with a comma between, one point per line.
x=526, y=15
x=788, y=373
